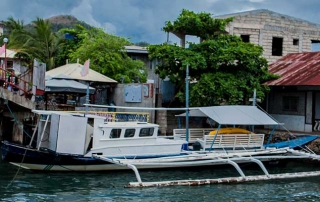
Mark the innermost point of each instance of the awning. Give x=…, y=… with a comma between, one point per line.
x=234, y=115
x=73, y=70
x=194, y=113
x=66, y=86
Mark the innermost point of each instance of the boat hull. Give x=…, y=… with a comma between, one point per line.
x=46, y=160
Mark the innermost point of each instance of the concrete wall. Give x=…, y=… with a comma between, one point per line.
x=291, y=122
x=275, y=103
x=149, y=102
x=263, y=25
x=300, y=120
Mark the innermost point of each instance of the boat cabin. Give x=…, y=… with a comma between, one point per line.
x=75, y=134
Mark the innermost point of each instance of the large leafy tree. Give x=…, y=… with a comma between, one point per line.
x=223, y=69
x=72, y=40
x=107, y=55
x=38, y=43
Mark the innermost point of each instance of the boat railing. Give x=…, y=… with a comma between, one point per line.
x=232, y=141
x=194, y=134
x=120, y=116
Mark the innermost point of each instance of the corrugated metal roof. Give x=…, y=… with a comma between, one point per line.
x=136, y=49
x=9, y=54
x=73, y=71
x=297, y=69
x=234, y=115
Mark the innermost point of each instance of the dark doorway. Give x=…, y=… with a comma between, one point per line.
x=277, y=46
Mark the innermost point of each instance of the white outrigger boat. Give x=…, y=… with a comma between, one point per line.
x=76, y=142
x=73, y=142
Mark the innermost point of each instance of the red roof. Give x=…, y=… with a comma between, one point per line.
x=297, y=69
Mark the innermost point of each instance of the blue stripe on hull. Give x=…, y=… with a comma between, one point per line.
x=14, y=153
x=300, y=141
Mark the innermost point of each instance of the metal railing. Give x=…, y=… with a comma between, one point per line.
x=10, y=81
x=119, y=116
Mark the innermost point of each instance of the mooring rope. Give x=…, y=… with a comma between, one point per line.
x=15, y=176
x=291, y=135
x=21, y=127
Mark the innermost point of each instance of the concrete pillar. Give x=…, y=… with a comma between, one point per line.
x=308, y=121
x=300, y=42
x=17, y=133
x=260, y=37
x=162, y=121
x=1, y=131
x=161, y=116
x=231, y=28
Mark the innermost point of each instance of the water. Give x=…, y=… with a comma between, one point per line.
x=109, y=186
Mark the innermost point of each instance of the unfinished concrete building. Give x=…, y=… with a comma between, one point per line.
x=278, y=34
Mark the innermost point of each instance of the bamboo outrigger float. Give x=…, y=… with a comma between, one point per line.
x=233, y=158
x=232, y=161
x=223, y=180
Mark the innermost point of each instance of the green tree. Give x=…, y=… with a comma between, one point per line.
x=108, y=56
x=39, y=43
x=72, y=40
x=223, y=69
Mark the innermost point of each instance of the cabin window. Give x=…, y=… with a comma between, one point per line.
x=295, y=42
x=245, y=38
x=146, y=132
x=290, y=103
x=115, y=133
x=277, y=44
x=129, y=133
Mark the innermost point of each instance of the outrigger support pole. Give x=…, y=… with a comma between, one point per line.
x=271, y=134
x=261, y=166
x=234, y=164
x=215, y=137
x=133, y=167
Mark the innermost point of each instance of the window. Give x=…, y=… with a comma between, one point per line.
x=115, y=133
x=290, y=103
x=245, y=38
x=315, y=45
x=129, y=133
x=9, y=64
x=295, y=42
x=277, y=46
x=146, y=132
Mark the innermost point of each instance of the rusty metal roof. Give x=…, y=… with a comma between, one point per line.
x=297, y=69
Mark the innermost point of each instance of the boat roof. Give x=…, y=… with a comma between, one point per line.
x=234, y=115
x=45, y=112
x=128, y=124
